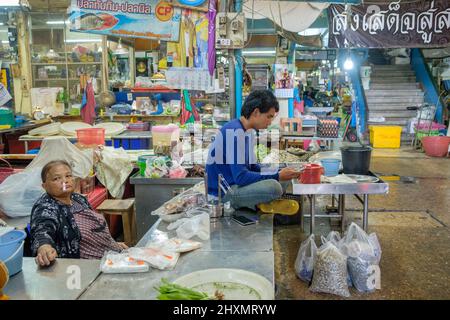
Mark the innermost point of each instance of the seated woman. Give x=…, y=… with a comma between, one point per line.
x=63, y=223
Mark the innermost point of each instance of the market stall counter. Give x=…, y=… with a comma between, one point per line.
x=56, y=282
x=150, y=194
x=364, y=188
x=230, y=246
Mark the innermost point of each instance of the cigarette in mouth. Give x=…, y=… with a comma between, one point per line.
x=64, y=186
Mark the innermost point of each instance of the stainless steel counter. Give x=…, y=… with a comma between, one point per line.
x=53, y=283
x=231, y=246
x=150, y=194
x=140, y=286
x=227, y=235
x=340, y=189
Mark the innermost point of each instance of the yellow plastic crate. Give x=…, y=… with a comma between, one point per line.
x=385, y=136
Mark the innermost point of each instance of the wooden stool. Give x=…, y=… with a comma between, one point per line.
x=124, y=208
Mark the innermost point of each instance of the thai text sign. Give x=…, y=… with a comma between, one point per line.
x=390, y=25
x=151, y=19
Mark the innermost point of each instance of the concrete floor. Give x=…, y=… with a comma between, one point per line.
x=412, y=223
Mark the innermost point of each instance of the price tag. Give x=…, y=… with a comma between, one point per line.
x=129, y=96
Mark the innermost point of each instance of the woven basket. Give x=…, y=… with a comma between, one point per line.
x=5, y=172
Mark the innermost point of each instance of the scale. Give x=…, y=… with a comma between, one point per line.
x=38, y=114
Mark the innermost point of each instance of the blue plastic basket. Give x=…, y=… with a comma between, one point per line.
x=11, y=250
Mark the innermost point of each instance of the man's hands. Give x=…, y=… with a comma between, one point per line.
x=287, y=174
x=46, y=255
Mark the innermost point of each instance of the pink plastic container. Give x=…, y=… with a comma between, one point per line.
x=436, y=146
x=91, y=136
x=164, y=135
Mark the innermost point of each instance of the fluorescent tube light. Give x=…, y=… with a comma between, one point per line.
x=259, y=52
x=57, y=22
x=10, y=3
x=82, y=40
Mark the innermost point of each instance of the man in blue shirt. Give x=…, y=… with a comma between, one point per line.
x=232, y=155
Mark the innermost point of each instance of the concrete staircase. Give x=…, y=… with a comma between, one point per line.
x=393, y=88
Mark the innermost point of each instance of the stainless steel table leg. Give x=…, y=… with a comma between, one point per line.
x=341, y=208
x=302, y=218
x=366, y=212
x=312, y=201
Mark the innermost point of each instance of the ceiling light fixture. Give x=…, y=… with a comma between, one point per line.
x=120, y=49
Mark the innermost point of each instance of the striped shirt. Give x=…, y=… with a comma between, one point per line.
x=95, y=236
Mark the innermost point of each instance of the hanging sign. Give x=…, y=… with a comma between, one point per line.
x=151, y=19
x=200, y=5
x=392, y=25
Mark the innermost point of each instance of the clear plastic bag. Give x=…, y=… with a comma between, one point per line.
x=196, y=226
x=304, y=263
x=364, y=254
x=20, y=191
x=157, y=258
x=114, y=262
x=333, y=236
x=330, y=271
x=176, y=245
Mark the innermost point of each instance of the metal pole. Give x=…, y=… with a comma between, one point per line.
x=232, y=77
x=312, y=201
x=366, y=212
x=341, y=210
x=238, y=70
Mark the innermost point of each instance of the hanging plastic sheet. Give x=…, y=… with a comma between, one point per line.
x=212, y=11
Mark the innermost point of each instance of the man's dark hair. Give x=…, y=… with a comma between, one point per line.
x=50, y=165
x=264, y=100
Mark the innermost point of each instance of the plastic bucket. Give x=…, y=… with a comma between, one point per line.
x=311, y=174
x=331, y=166
x=356, y=160
x=91, y=136
x=11, y=250
x=436, y=146
x=142, y=163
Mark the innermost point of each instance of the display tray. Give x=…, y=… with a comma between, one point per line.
x=363, y=178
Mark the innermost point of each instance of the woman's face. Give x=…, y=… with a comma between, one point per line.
x=59, y=181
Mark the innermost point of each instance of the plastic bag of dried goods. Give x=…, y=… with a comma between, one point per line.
x=114, y=262
x=157, y=258
x=176, y=245
x=356, y=242
x=364, y=254
x=304, y=263
x=333, y=236
x=196, y=226
x=330, y=271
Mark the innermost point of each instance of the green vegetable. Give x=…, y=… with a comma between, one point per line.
x=172, y=291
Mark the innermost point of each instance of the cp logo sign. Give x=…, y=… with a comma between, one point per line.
x=164, y=11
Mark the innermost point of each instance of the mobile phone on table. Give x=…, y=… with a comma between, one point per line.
x=242, y=220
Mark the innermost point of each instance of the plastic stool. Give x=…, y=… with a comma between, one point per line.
x=125, y=209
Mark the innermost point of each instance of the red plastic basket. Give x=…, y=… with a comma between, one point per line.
x=5, y=172
x=91, y=136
